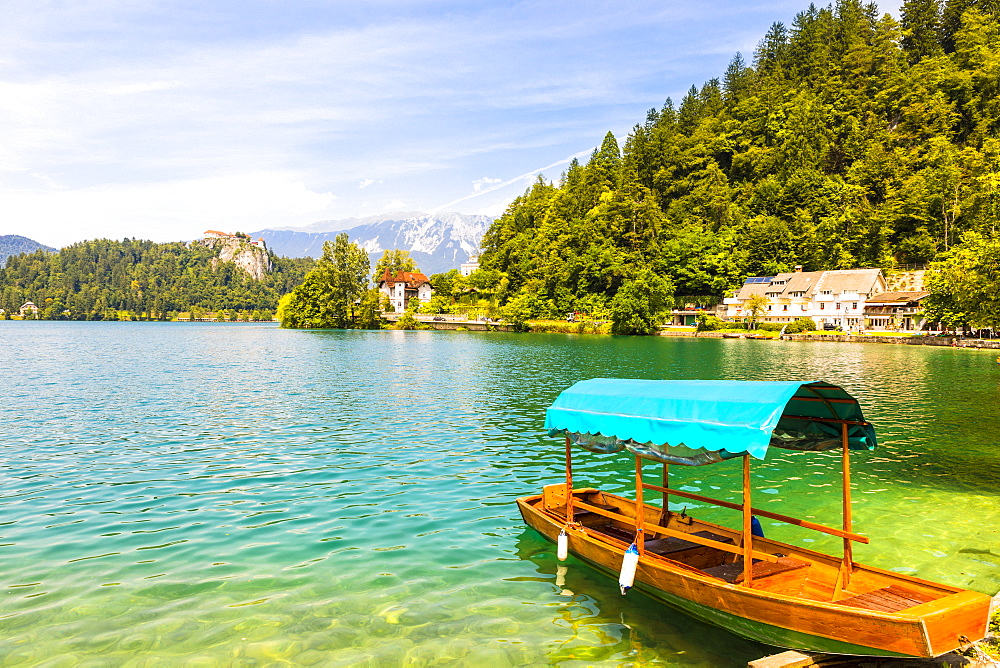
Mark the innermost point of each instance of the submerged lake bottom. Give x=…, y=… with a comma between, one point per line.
x=213, y=494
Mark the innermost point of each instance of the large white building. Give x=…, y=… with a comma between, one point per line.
x=828, y=297
x=470, y=266
x=404, y=286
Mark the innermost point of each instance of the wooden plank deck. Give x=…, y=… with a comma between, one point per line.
x=888, y=599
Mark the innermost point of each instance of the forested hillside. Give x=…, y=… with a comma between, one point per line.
x=849, y=140
x=96, y=280
x=14, y=244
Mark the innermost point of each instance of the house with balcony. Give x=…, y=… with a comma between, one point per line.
x=896, y=311
x=834, y=297
x=403, y=286
x=688, y=315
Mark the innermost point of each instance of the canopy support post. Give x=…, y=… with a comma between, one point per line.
x=747, y=530
x=640, y=508
x=666, y=486
x=847, y=566
x=569, y=483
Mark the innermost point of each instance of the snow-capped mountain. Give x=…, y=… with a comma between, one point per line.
x=437, y=242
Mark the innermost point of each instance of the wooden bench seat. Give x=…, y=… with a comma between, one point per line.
x=672, y=545
x=733, y=573
x=887, y=599
x=621, y=534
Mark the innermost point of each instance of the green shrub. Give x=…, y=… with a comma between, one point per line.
x=407, y=321
x=801, y=325
x=562, y=327
x=769, y=326
x=518, y=310
x=710, y=323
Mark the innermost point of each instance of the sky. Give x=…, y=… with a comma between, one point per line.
x=161, y=119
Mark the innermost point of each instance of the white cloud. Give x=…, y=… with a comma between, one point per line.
x=478, y=184
x=160, y=119
x=495, y=209
x=147, y=87
x=394, y=205
x=173, y=210
x=522, y=178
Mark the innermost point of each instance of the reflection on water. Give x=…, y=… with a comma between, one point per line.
x=233, y=494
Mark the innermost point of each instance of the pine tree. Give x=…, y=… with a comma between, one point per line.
x=736, y=80
x=921, y=23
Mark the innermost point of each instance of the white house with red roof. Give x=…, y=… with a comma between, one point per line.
x=403, y=286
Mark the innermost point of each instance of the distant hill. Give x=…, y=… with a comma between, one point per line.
x=437, y=242
x=110, y=280
x=13, y=244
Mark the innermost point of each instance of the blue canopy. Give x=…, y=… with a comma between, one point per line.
x=704, y=421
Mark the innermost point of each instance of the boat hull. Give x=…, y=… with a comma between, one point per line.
x=927, y=630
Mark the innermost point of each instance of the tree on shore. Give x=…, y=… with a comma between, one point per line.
x=965, y=285
x=331, y=295
x=756, y=306
x=641, y=304
x=395, y=261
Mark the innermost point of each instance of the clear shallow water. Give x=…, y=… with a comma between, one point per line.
x=244, y=495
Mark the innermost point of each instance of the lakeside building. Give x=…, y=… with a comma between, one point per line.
x=897, y=311
x=28, y=307
x=688, y=316
x=404, y=286
x=836, y=297
x=468, y=267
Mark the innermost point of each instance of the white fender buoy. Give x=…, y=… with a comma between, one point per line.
x=629, y=562
x=562, y=546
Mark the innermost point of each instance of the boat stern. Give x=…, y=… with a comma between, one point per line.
x=953, y=621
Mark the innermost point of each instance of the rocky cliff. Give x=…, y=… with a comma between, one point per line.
x=250, y=256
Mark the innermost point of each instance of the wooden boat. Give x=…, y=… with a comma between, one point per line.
x=755, y=587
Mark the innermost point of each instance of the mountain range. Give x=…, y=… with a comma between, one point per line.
x=437, y=242
x=13, y=244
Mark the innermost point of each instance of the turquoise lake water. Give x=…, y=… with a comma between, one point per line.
x=216, y=495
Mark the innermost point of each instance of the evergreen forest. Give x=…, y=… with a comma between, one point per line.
x=849, y=139
x=111, y=280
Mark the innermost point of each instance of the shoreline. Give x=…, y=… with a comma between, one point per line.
x=479, y=326
x=941, y=341
x=925, y=340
